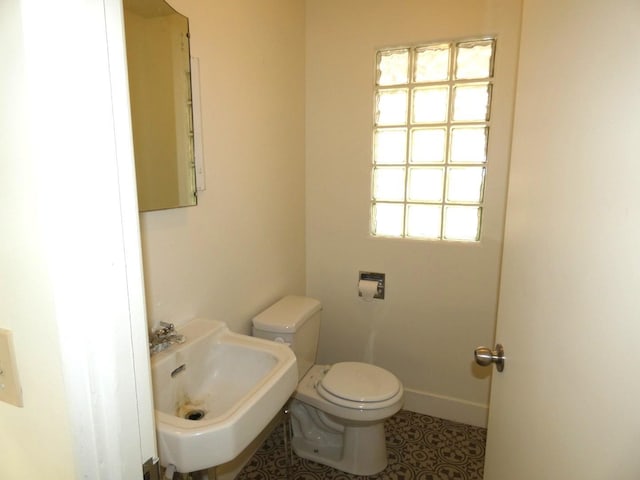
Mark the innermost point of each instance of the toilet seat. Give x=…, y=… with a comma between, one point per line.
x=359, y=385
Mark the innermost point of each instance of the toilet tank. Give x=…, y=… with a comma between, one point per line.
x=293, y=320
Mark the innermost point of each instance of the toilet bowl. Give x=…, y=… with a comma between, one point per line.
x=353, y=391
x=337, y=411
x=338, y=415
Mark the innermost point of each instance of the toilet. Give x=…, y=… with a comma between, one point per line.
x=337, y=411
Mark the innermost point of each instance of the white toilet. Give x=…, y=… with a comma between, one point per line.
x=338, y=411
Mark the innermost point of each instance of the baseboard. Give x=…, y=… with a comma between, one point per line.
x=449, y=408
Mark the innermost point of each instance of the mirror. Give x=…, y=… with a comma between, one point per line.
x=158, y=59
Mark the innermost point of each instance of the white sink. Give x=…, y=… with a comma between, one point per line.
x=232, y=386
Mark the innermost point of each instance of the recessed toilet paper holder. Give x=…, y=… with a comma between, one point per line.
x=373, y=276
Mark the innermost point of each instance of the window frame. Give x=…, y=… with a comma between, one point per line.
x=450, y=125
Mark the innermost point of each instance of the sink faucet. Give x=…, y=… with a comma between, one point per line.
x=163, y=337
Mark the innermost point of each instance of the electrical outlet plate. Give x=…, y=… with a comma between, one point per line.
x=10, y=390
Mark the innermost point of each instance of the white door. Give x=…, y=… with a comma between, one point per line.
x=89, y=245
x=567, y=405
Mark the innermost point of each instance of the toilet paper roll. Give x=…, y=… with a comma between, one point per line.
x=368, y=289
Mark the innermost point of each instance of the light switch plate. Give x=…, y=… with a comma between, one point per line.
x=10, y=390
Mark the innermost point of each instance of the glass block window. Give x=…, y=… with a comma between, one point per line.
x=430, y=137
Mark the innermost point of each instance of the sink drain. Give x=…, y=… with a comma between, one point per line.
x=196, y=414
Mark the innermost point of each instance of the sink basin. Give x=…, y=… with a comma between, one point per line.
x=216, y=392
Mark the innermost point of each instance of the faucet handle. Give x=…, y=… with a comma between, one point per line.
x=166, y=328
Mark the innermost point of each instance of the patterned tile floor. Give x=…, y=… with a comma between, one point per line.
x=420, y=447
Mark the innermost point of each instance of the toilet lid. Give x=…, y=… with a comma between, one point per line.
x=359, y=382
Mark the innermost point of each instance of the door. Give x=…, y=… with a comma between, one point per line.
x=91, y=235
x=566, y=405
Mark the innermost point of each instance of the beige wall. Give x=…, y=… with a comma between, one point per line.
x=242, y=247
x=441, y=297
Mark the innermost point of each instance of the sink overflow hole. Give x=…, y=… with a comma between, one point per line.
x=178, y=370
x=195, y=414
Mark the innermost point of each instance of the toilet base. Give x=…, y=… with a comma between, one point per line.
x=363, y=450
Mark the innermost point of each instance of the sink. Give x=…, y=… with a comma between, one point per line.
x=216, y=392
